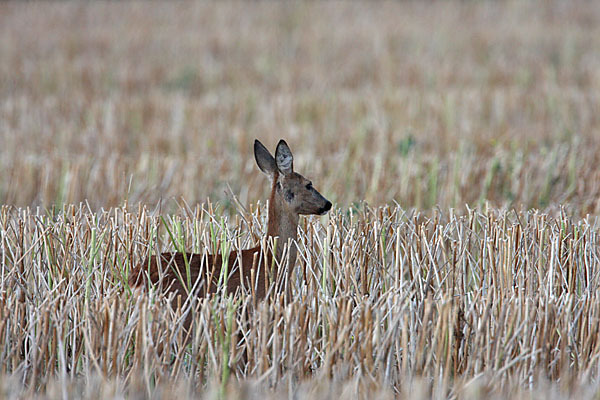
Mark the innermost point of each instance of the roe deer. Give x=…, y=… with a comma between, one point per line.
x=292, y=195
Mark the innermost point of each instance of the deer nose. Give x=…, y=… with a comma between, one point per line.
x=326, y=208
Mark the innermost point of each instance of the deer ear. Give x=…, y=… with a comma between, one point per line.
x=264, y=159
x=284, y=158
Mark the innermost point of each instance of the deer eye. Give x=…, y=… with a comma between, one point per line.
x=309, y=186
x=289, y=195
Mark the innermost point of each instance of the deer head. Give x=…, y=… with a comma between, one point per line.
x=291, y=190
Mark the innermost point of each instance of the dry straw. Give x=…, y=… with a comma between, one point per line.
x=430, y=106
x=383, y=297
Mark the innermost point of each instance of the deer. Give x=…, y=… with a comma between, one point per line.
x=187, y=274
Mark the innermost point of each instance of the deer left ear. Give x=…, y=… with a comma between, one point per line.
x=284, y=158
x=264, y=159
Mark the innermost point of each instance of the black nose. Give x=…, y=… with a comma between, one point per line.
x=326, y=208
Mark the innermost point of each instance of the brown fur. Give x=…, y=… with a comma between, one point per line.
x=174, y=275
x=291, y=195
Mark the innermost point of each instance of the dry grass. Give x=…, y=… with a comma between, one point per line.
x=416, y=108
x=383, y=296
x=427, y=105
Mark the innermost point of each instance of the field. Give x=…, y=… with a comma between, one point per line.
x=458, y=141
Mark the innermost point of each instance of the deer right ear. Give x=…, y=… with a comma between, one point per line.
x=264, y=159
x=284, y=158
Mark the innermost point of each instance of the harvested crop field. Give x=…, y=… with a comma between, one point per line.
x=459, y=143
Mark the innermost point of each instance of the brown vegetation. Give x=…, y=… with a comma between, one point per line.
x=502, y=301
x=417, y=108
x=426, y=105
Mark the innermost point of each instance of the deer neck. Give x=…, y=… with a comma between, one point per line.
x=282, y=224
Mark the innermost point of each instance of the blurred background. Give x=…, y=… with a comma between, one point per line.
x=424, y=104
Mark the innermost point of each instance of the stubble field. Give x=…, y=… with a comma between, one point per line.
x=460, y=145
